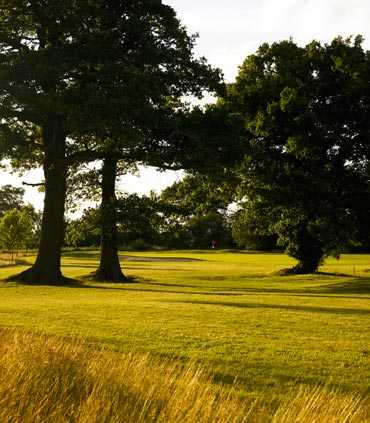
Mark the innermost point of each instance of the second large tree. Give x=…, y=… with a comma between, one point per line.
x=306, y=117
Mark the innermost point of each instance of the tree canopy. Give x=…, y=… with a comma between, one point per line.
x=16, y=230
x=305, y=112
x=10, y=198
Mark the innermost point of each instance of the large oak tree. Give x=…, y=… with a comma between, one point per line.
x=306, y=118
x=72, y=71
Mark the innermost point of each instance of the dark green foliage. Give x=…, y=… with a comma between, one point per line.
x=210, y=230
x=196, y=194
x=10, y=198
x=195, y=211
x=250, y=229
x=206, y=140
x=138, y=218
x=161, y=221
x=35, y=218
x=94, y=63
x=85, y=231
x=305, y=112
x=26, y=218
x=16, y=230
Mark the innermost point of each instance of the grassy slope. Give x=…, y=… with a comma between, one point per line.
x=224, y=310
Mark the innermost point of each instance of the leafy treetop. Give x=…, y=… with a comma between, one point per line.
x=305, y=113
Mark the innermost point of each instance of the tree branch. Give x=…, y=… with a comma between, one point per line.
x=33, y=185
x=89, y=156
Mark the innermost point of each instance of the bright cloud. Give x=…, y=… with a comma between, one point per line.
x=230, y=30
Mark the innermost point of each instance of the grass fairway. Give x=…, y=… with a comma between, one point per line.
x=223, y=309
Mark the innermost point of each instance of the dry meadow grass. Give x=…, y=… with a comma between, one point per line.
x=48, y=379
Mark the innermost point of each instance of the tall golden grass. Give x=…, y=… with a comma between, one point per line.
x=45, y=379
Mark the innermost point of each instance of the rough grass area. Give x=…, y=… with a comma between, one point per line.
x=44, y=379
x=226, y=311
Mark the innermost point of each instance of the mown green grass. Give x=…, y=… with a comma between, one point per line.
x=224, y=309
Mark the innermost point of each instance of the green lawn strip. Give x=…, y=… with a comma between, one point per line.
x=270, y=332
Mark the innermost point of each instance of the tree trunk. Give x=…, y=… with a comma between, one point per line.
x=306, y=266
x=46, y=268
x=109, y=268
x=308, y=251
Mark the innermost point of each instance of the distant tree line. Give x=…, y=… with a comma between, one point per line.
x=19, y=222
x=174, y=219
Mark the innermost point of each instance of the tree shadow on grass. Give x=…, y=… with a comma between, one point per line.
x=359, y=286
x=136, y=284
x=291, y=293
x=153, y=290
x=148, y=259
x=349, y=285
x=17, y=262
x=80, y=266
x=336, y=274
x=308, y=309
x=81, y=255
x=215, y=278
x=132, y=257
x=281, y=382
x=289, y=272
x=125, y=266
x=64, y=283
x=175, y=285
x=356, y=286
x=172, y=269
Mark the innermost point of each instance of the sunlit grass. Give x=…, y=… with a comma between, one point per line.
x=226, y=311
x=45, y=379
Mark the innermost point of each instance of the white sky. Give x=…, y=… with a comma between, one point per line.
x=230, y=30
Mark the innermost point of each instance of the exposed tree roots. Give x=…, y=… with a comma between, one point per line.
x=35, y=276
x=108, y=276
